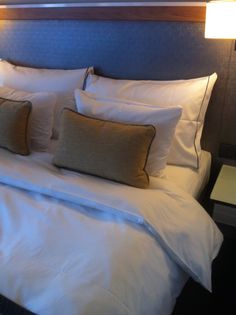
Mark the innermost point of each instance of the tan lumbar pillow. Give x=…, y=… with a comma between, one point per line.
x=14, y=122
x=111, y=150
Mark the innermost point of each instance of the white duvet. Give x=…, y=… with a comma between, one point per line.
x=78, y=245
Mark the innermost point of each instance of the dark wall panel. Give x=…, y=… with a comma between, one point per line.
x=229, y=116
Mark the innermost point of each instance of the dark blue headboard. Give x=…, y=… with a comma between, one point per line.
x=125, y=49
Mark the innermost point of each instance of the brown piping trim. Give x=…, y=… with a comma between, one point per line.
x=85, y=78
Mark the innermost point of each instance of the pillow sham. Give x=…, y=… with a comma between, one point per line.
x=163, y=119
x=14, y=121
x=192, y=95
x=106, y=149
x=61, y=82
x=41, y=118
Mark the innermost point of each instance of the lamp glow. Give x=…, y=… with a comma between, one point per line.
x=221, y=19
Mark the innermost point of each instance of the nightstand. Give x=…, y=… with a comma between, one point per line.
x=224, y=196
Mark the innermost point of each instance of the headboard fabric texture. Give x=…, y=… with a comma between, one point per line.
x=152, y=50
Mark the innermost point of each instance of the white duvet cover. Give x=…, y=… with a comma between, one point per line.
x=78, y=245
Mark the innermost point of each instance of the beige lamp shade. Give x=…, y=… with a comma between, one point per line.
x=220, y=19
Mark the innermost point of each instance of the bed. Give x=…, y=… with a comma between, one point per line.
x=76, y=244
x=77, y=255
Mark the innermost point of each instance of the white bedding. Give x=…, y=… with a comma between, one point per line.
x=79, y=245
x=191, y=180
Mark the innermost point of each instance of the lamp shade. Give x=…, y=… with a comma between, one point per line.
x=220, y=19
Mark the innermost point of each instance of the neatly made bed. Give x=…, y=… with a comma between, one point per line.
x=79, y=244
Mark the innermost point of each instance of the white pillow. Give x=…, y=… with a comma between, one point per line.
x=61, y=82
x=41, y=118
x=192, y=95
x=163, y=119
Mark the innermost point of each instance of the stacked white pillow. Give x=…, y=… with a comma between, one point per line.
x=61, y=82
x=192, y=95
x=41, y=117
x=163, y=119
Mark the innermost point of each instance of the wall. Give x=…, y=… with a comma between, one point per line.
x=226, y=128
x=228, y=134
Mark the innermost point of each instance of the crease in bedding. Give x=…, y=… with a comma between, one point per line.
x=101, y=265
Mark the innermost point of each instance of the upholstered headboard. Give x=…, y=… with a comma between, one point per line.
x=124, y=49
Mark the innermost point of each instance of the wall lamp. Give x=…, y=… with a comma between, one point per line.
x=221, y=20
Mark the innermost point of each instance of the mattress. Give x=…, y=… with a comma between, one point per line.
x=191, y=180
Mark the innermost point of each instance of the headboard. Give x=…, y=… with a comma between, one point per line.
x=124, y=49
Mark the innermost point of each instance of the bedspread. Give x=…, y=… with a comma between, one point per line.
x=75, y=244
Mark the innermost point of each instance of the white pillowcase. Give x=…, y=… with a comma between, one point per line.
x=41, y=117
x=192, y=95
x=61, y=82
x=163, y=119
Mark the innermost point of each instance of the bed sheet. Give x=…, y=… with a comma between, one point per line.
x=191, y=180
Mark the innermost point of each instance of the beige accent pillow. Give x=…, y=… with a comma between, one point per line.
x=14, y=122
x=129, y=112
x=111, y=150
